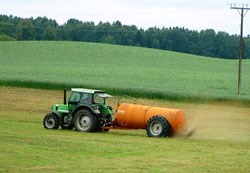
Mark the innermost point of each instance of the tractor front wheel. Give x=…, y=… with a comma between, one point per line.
x=51, y=121
x=85, y=121
x=157, y=126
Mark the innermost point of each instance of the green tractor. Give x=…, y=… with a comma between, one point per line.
x=86, y=111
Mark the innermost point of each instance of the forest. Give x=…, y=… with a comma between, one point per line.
x=206, y=42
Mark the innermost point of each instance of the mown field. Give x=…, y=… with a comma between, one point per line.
x=139, y=72
x=220, y=143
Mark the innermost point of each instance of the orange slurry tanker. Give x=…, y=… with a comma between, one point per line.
x=158, y=121
x=87, y=111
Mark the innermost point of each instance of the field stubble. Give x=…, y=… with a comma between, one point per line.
x=219, y=144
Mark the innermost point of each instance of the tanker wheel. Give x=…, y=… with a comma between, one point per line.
x=157, y=126
x=85, y=121
x=51, y=121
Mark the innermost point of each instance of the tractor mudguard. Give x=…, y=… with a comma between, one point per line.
x=83, y=107
x=56, y=113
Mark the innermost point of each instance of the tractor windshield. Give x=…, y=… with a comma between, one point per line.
x=74, y=97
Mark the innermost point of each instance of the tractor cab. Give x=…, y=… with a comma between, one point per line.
x=92, y=101
x=87, y=96
x=95, y=99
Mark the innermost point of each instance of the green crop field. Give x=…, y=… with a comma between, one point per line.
x=139, y=72
x=220, y=143
x=221, y=138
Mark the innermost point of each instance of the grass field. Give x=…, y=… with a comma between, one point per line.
x=139, y=72
x=220, y=143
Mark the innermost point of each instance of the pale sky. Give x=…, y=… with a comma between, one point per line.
x=191, y=14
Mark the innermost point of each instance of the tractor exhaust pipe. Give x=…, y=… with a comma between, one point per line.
x=64, y=96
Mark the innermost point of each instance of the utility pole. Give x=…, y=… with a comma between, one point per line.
x=242, y=9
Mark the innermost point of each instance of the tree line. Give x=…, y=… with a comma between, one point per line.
x=206, y=42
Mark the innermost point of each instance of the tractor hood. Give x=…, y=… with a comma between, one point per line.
x=60, y=108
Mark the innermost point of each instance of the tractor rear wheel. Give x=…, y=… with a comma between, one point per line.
x=157, y=126
x=85, y=121
x=51, y=121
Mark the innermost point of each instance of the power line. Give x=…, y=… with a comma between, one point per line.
x=242, y=9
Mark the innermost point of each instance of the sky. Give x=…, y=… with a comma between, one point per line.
x=191, y=14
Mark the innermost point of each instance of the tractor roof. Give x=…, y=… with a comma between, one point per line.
x=84, y=90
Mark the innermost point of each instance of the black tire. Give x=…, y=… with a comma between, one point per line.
x=106, y=130
x=51, y=121
x=67, y=126
x=85, y=121
x=158, y=126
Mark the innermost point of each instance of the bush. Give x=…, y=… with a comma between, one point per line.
x=4, y=37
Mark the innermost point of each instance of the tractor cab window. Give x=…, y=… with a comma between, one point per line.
x=74, y=97
x=86, y=98
x=98, y=98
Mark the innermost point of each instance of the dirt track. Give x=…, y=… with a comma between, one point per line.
x=221, y=120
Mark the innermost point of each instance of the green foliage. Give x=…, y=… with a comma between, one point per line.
x=206, y=42
x=25, y=30
x=49, y=34
x=133, y=71
x=4, y=37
